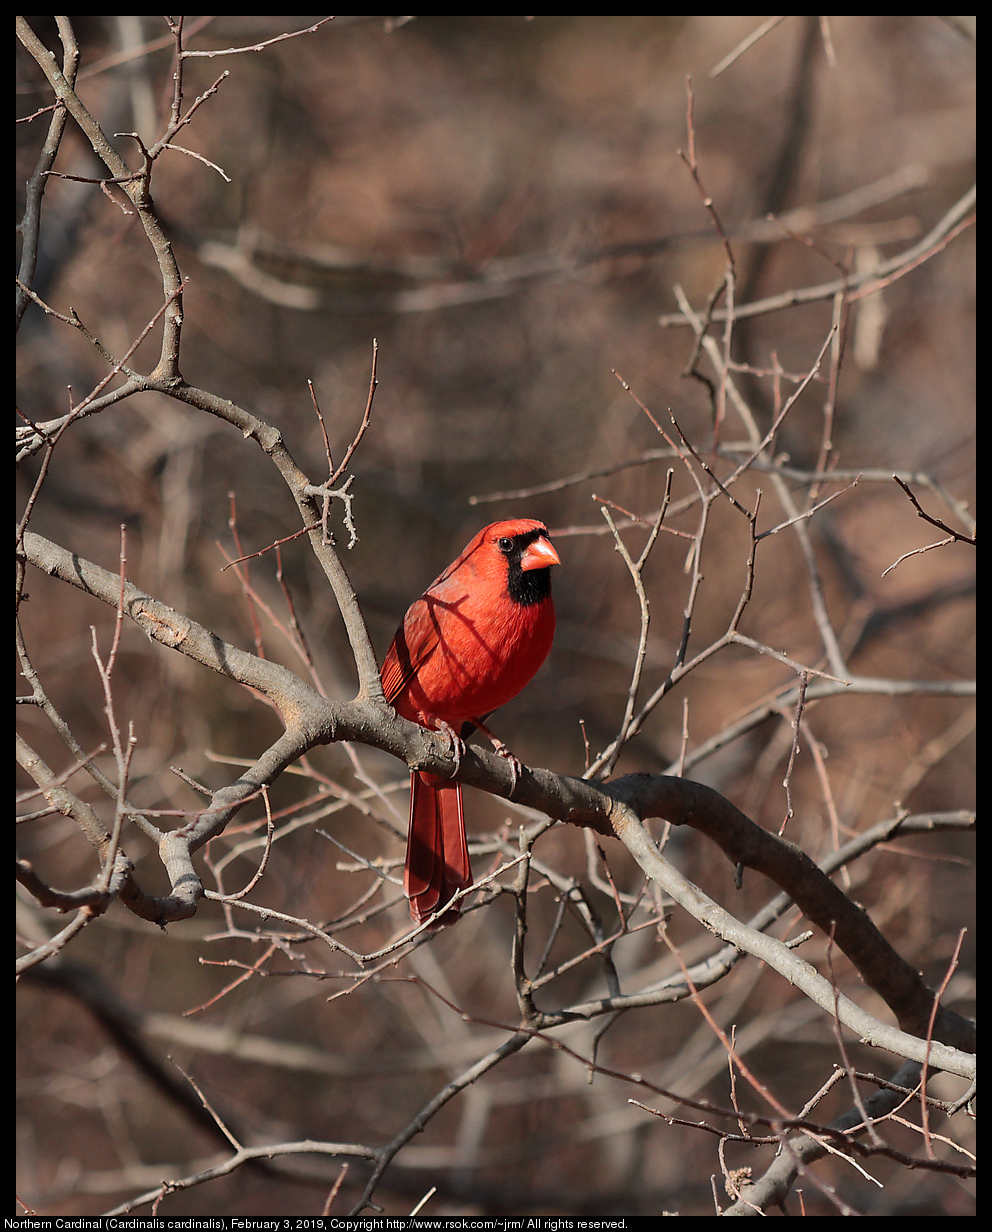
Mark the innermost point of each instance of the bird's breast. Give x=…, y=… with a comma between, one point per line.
x=486, y=653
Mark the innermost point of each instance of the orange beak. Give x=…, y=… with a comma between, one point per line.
x=539, y=555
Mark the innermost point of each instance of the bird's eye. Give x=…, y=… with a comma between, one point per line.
x=505, y=544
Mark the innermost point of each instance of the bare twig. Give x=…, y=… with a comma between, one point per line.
x=237, y=51
x=866, y=283
x=691, y=162
x=744, y=44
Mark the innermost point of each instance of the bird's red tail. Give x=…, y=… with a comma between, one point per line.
x=437, y=863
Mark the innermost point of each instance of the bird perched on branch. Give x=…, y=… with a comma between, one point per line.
x=467, y=646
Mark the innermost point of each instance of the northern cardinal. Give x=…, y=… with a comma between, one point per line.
x=467, y=646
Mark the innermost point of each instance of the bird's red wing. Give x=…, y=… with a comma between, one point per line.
x=416, y=640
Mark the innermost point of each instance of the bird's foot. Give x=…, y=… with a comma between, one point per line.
x=516, y=766
x=457, y=744
x=500, y=749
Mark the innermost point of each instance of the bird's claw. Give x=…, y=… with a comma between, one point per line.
x=516, y=766
x=500, y=749
x=457, y=745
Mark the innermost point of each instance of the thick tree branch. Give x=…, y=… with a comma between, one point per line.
x=31, y=222
x=134, y=184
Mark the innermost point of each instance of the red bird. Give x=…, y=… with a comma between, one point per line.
x=466, y=647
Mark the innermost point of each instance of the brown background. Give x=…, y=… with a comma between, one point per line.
x=379, y=177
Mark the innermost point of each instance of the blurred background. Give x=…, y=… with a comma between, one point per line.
x=500, y=203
